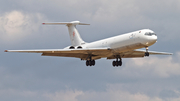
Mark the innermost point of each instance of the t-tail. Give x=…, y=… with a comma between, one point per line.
x=73, y=32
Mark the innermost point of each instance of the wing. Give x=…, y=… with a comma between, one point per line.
x=83, y=54
x=138, y=53
x=141, y=53
x=96, y=53
x=153, y=52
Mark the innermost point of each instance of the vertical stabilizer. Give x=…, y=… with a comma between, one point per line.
x=73, y=32
x=75, y=36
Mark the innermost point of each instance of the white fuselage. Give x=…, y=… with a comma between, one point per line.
x=124, y=42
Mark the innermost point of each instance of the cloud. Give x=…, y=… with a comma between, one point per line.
x=68, y=95
x=20, y=95
x=75, y=95
x=157, y=66
x=108, y=95
x=16, y=25
x=112, y=93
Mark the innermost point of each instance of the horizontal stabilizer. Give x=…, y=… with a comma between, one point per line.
x=65, y=23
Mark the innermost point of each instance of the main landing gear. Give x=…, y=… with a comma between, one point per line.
x=146, y=53
x=89, y=61
x=117, y=63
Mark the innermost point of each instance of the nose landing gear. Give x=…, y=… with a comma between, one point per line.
x=146, y=53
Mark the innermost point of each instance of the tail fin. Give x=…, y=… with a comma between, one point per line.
x=73, y=32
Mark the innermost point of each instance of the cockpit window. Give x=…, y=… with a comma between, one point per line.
x=149, y=33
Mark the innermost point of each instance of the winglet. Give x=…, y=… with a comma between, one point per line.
x=6, y=51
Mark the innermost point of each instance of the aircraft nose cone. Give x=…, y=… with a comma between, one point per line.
x=153, y=39
x=156, y=38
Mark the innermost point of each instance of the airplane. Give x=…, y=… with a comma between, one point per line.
x=121, y=46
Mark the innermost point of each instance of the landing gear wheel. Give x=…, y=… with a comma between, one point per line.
x=93, y=62
x=87, y=63
x=114, y=63
x=90, y=62
x=146, y=54
x=119, y=63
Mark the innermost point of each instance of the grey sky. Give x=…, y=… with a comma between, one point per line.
x=27, y=77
